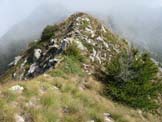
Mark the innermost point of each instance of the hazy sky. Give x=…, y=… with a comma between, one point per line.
x=13, y=11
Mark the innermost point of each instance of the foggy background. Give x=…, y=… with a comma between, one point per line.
x=22, y=21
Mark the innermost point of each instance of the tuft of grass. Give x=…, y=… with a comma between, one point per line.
x=57, y=73
x=31, y=90
x=9, y=96
x=47, y=100
x=6, y=112
x=72, y=66
x=73, y=51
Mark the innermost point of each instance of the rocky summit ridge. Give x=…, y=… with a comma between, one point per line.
x=94, y=40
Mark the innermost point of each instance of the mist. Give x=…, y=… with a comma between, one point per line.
x=139, y=21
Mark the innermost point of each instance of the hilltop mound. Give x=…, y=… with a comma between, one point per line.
x=72, y=71
x=82, y=30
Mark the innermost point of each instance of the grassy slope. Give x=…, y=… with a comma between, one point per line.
x=69, y=103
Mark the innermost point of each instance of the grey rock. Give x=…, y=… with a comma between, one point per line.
x=19, y=118
x=32, y=68
x=108, y=118
x=16, y=60
x=17, y=89
x=37, y=53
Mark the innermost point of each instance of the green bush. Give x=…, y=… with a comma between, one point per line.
x=48, y=32
x=128, y=80
x=73, y=51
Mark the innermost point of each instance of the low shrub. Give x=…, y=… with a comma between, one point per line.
x=73, y=51
x=48, y=32
x=129, y=80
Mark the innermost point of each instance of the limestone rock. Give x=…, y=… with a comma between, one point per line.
x=17, y=89
x=108, y=118
x=32, y=68
x=19, y=118
x=91, y=121
x=16, y=60
x=37, y=53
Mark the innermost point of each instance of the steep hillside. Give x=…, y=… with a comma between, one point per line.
x=80, y=71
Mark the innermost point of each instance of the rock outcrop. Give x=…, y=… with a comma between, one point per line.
x=91, y=37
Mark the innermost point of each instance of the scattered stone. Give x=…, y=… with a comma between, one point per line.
x=16, y=60
x=66, y=110
x=32, y=68
x=108, y=118
x=55, y=88
x=80, y=45
x=46, y=75
x=87, y=68
x=14, y=75
x=54, y=60
x=99, y=39
x=91, y=121
x=37, y=53
x=103, y=29
x=95, y=56
x=19, y=118
x=53, y=41
x=23, y=64
x=17, y=89
x=94, y=52
x=106, y=45
x=89, y=41
x=91, y=32
x=64, y=45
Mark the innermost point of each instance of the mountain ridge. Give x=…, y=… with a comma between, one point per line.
x=75, y=28
x=80, y=71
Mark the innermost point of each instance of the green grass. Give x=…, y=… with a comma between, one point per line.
x=57, y=73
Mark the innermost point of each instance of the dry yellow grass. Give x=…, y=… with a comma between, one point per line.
x=70, y=99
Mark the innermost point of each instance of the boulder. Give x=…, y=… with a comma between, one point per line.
x=37, y=53
x=108, y=118
x=17, y=89
x=64, y=45
x=19, y=118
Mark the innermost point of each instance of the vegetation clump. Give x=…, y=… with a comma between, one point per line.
x=129, y=79
x=74, y=52
x=48, y=32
